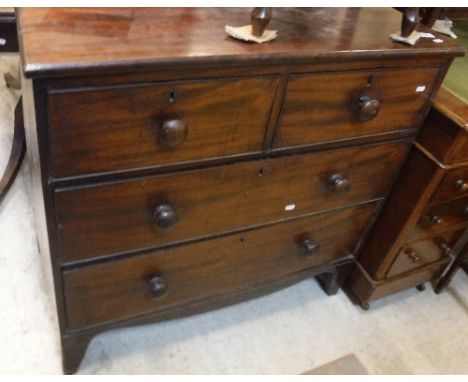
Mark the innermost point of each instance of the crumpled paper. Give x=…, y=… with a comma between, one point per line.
x=244, y=33
x=445, y=27
x=410, y=40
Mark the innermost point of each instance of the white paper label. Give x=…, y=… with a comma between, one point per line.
x=2, y=41
x=427, y=35
x=290, y=207
x=437, y=40
x=420, y=88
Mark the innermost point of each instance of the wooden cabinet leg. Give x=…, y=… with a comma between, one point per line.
x=332, y=279
x=73, y=351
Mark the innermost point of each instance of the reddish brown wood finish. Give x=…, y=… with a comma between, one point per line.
x=76, y=56
x=447, y=139
x=94, y=294
x=94, y=130
x=454, y=185
x=416, y=255
x=217, y=200
x=65, y=41
x=324, y=107
x=439, y=218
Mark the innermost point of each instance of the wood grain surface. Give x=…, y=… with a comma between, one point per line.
x=117, y=290
x=322, y=107
x=114, y=218
x=63, y=41
x=96, y=130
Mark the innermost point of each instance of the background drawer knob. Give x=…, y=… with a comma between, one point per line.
x=165, y=217
x=436, y=219
x=412, y=255
x=461, y=184
x=338, y=184
x=310, y=247
x=368, y=108
x=172, y=132
x=158, y=287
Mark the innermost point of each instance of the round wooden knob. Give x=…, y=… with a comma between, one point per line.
x=368, y=108
x=309, y=247
x=172, y=132
x=338, y=184
x=413, y=256
x=165, y=217
x=157, y=287
x=436, y=219
x=461, y=184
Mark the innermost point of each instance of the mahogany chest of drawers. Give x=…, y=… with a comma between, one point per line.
x=176, y=169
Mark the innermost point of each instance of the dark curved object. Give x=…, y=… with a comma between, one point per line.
x=259, y=18
x=409, y=21
x=18, y=148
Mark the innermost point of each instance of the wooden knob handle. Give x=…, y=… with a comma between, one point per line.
x=165, y=217
x=309, y=247
x=436, y=219
x=338, y=184
x=157, y=287
x=444, y=247
x=412, y=255
x=172, y=132
x=461, y=185
x=368, y=107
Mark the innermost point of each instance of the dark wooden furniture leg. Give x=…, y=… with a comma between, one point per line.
x=18, y=149
x=73, y=351
x=444, y=281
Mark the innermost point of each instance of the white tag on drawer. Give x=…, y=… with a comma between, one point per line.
x=420, y=88
x=2, y=41
x=290, y=207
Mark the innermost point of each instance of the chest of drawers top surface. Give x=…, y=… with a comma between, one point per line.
x=57, y=41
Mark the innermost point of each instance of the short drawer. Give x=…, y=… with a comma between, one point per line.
x=95, y=131
x=418, y=254
x=441, y=218
x=159, y=210
x=454, y=185
x=327, y=107
x=146, y=283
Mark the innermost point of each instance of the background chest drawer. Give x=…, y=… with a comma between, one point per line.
x=454, y=185
x=158, y=210
x=442, y=217
x=327, y=107
x=93, y=131
x=95, y=294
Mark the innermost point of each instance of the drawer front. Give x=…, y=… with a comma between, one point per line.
x=441, y=218
x=95, y=294
x=454, y=185
x=152, y=125
x=164, y=209
x=417, y=254
x=328, y=107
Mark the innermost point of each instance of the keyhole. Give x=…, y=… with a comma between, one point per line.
x=370, y=80
x=261, y=172
x=172, y=96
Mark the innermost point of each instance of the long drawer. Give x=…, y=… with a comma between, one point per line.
x=100, y=130
x=142, y=284
x=159, y=210
x=327, y=107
